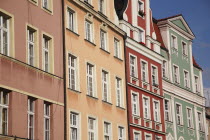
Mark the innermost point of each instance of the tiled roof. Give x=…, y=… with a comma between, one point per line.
x=169, y=17
x=195, y=64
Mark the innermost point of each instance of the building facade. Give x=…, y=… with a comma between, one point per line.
x=31, y=70
x=143, y=67
x=182, y=82
x=95, y=72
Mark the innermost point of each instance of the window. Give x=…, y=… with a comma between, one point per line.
x=197, y=84
x=184, y=48
x=146, y=108
x=117, y=48
x=46, y=53
x=167, y=110
x=46, y=4
x=91, y=129
x=136, y=136
x=4, y=35
x=121, y=133
x=148, y=137
x=71, y=20
x=144, y=73
x=179, y=114
x=89, y=31
x=133, y=66
x=189, y=118
x=105, y=86
x=4, y=104
x=164, y=68
x=46, y=121
x=140, y=6
x=31, y=47
x=107, y=131
x=119, y=92
x=156, y=111
x=74, y=126
x=90, y=79
x=102, y=6
x=200, y=122
x=174, y=42
x=141, y=36
x=186, y=79
x=72, y=69
x=135, y=104
x=154, y=76
x=87, y=1
x=31, y=117
x=103, y=40
x=176, y=74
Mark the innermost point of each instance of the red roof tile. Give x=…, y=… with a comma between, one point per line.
x=169, y=17
x=195, y=64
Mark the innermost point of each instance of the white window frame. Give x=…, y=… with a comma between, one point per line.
x=73, y=126
x=4, y=105
x=200, y=121
x=119, y=93
x=88, y=75
x=72, y=69
x=133, y=65
x=31, y=41
x=148, y=117
x=136, y=103
x=165, y=68
x=121, y=133
x=146, y=134
x=156, y=110
x=109, y=133
x=136, y=133
x=184, y=48
x=117, y=48
x=47, y=5
x=88, y=27
x=105, y=82
x=197, y=84
x=46, y=117
x=189, y=117
x=141, y=35
x=167, y=111
x=176, y=74
x=186, y=79
x=144, y=71
x=174, y=45
x=31, y=113
x=103, y=40
x=71, y=19
x=2, y=30
x=46, y=49
x=179, y=115
x=92, y=131
x=102, y=6
x=155, y=75
x=88, y=1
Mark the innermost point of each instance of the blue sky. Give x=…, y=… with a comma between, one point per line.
x=197, y=15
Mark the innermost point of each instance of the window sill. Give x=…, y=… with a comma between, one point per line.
x=95, y=98
x=34, y=2
x=105, y=50
x=102, y=14
x=168, y=121
x=90, y=42
x=136, y=116
x=181, y=125
x=118, y=58
x=76, y=91
x=147, y=120
x=72, y=32
x=88, y=4
x=191, y=128
x=47, y=10
x=107, y=102
x=121, y=107
x=134, y=78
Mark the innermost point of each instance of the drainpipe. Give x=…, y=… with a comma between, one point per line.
x=64, y=71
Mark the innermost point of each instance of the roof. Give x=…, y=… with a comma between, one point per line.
x=195, y=64
x=158, y=34
x=169, y=17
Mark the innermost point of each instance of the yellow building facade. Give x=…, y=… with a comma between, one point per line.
x=95, y=72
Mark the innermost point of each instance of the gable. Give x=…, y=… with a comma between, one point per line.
x=180, y=24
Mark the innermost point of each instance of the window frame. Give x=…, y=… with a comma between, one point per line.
x=94, y=130
x=77, y=126
x=73, y=26
x=107, y=83
x=174, y=43
x=93, y=78
x=186, y=79
x=136, y=133
x=32, y=113
x=177, y=74
x=103, y=40
x=156, y=110
x=189, y=118
x=49, y=51
x=184, y=48
x=155, y=75
x=168, y=110
x=136, y=103
x=102, y=6
x=148, y=117
x=120, y=99
x=121, y=137
x=200, y=122
x=146, y=71
x=117, y=48
x=109, y=134
x=47, y=117
x=89, y=36
x=165, y=69
x=179, y=115
x=4, y=106
x=135, y=66
x=197, y=83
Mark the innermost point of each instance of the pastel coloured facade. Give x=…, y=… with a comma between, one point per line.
x=143, y=71
x=95, y=72
x=31, y=70
x=182, y=82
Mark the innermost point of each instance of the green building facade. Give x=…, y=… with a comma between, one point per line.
x=182, y=82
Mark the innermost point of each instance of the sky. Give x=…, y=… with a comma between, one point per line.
x=197, y=15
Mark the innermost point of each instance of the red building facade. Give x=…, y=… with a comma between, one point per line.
x=144, y=72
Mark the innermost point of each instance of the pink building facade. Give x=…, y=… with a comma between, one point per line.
x=31, y=70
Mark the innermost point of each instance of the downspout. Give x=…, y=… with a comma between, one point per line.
x=64, y=72
x=126, y=87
